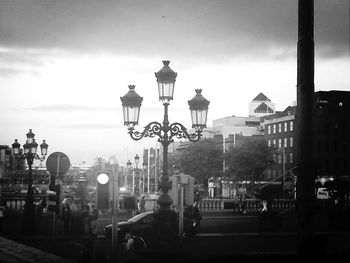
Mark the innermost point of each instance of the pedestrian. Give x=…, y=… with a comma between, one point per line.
x=135, y=243
x=235, y=204
x=85, y=217
x=93, y=216
x=2, y=215
x=242, y=191
x=196, y=214
x=66, y=217
x=143, y=204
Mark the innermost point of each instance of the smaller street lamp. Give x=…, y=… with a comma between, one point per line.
x=199, y=111
x=166, y=82
x=29, y=153
x=131, y=103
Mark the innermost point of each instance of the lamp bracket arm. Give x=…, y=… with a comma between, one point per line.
x=179, y=131
x=151, y=130
x=29, y=156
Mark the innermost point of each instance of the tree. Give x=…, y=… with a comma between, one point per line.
x=248, y=162
x=201, y=160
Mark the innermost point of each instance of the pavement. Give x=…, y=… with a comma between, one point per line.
x=14, y=252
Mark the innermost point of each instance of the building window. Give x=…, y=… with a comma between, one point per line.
x=269, y=143
x=280, y=127
x=285, y=126
x=274, y=142
x=291, y=142
x=285, y=145
x=291, y=158
x=274, y=128
x=274, y=158
x=279, y=143
x=291, y=126
x=268, y=129
x=279, y=158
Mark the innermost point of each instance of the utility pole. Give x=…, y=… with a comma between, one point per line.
x=304, y=125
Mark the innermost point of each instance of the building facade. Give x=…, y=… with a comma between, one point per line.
x=332, y=134
x=261, y=106
x=279, y=133
x=331, y=140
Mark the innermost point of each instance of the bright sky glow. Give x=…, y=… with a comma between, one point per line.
x=63, y=77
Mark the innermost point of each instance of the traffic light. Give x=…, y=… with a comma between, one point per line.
x=102, y=189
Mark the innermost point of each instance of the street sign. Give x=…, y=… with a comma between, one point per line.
x=58, y=163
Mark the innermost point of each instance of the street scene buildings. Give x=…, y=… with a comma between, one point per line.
x=244, y=158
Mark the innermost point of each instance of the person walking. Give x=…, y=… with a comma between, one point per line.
x=85, y=218
x=66, y=217
x=93, y=216
x=143, y=204
x=235, y=204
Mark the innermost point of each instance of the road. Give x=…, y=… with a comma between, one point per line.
x=221, y=236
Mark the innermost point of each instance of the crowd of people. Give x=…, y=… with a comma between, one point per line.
x=89, y=215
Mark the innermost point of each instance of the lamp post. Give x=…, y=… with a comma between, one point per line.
x=136, y=159
x=128, y=167
x=144, y=167
x=29, y=153
x=131, y=103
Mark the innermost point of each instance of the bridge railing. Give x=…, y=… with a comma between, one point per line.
x=251, y=205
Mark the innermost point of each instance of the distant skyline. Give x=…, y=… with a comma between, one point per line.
x=65, y=64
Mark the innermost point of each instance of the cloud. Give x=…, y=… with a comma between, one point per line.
x=200, y=28
x=7, y=72
x=69, y=108
x=89, y=126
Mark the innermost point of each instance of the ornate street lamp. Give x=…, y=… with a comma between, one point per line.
x=131, y=103
x=29, y=153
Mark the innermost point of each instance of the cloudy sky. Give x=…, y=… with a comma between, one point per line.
x=64, y=64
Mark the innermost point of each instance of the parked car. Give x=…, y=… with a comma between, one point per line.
x=143, y=225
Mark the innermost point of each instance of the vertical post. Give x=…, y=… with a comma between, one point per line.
x=181, y=209
x=148, y=168
x=133, y=181
x=223, y=151
x=114, y=214
x=305, y=91
x=143, y=180
x=164, y=199
x=283, y=172
x=126, y=171
x=53, y=227
x=156, y=166
x=29, y=224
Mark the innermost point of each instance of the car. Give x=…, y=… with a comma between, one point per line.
x=143, y=225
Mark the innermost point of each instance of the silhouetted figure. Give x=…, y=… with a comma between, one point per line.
x=67, y=217
x=93, y=216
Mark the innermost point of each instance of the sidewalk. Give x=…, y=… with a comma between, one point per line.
x=13, y=252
